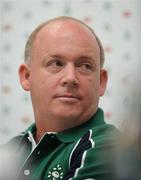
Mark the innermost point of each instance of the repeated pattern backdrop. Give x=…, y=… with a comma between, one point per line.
x=116, y=22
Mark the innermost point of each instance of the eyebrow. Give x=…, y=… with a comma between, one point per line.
x=53, y=56
x=80, y=58
x=88, y=57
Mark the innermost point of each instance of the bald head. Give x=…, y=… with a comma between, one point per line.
x=56, y=26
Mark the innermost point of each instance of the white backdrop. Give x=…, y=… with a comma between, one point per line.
x=116, y=22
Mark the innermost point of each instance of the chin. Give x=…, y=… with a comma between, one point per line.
x=68, y=116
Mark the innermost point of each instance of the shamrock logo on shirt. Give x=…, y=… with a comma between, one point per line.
x=56, y=173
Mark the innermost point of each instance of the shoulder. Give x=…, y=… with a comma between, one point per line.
x=105, y=133
x=93, y=157
x=11, y=145
x=18, y=140
x=99, y=160
x=105, y=139
x=8, y=155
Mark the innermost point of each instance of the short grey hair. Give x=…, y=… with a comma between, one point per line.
x=32, y=37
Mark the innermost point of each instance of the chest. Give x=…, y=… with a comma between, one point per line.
x=49, y=161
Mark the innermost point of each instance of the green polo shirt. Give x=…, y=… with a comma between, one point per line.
x=81, y=153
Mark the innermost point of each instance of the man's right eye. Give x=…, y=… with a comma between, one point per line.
x=56, y=63
x=54, y=66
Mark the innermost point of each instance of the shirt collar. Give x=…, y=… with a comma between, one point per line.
x=32, y=140
x=73, y=134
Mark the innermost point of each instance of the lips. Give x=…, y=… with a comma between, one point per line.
x=68, y=97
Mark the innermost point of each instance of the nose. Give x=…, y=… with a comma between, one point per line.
x=69, y=76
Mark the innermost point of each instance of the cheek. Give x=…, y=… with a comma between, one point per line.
x=92, y=84
x=91, y=87
x=38, y=85
x=45, y=88
x=41, y=80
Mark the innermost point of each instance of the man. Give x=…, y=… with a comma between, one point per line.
x=64, y=73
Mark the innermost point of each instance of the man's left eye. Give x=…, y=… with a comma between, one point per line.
x=87, y=66
x=57, y=63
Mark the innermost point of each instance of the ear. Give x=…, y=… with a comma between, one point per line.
x=103, y=81
x=24, y=75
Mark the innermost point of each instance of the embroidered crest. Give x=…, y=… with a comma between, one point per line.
x=56, y=173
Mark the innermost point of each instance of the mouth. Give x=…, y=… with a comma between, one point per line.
x=68, y=98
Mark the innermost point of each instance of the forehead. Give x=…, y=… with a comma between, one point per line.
x=66, y=34
x=66, y=25
x=65, y=28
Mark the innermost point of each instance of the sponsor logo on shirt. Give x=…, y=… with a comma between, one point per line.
x=56, y=173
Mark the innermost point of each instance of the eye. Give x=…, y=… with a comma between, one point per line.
x=85, y=68
x=54, y=65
